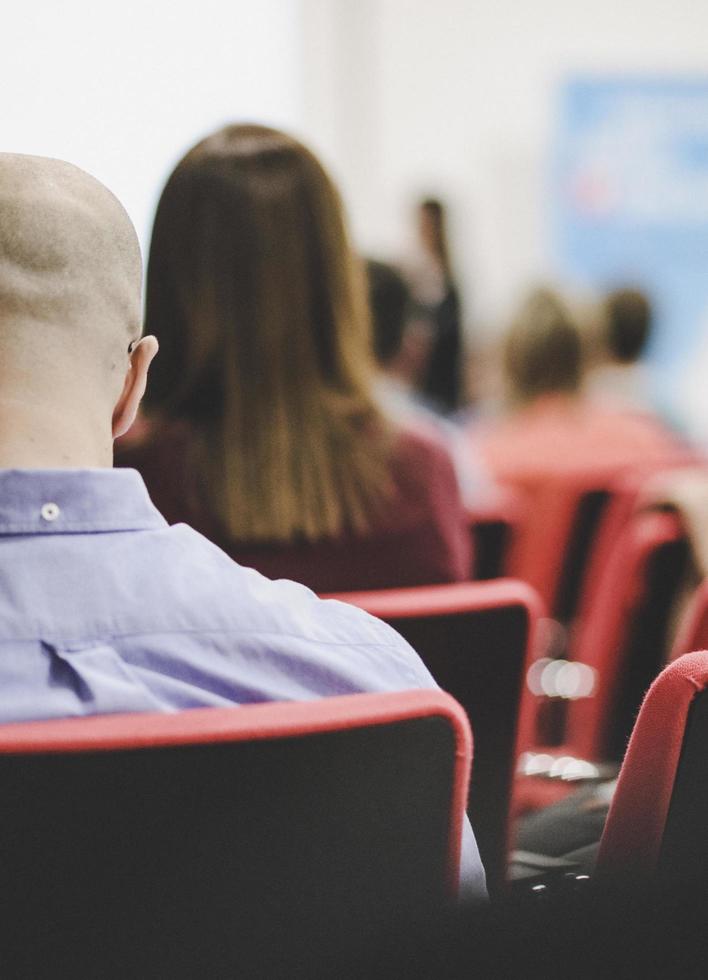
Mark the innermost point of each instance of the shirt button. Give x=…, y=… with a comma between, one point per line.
x=50, y=512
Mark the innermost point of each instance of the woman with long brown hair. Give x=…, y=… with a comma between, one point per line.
x=265, y=434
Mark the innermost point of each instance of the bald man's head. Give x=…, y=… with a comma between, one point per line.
x=70, y=267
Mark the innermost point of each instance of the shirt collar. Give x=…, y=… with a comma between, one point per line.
x=75, y=501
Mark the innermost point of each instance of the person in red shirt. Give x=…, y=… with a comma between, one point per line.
x=263, y=430
x=550, y=423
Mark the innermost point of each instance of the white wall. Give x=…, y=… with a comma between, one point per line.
x=123, y=88
x=457, y=96
x=399, y=96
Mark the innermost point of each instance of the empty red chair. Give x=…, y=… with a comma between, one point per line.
x=619, y=647
x=228, y=842
x=624, y=635
x=477, y=640
x=656, y=826
x=561, y=513
x=568, y=513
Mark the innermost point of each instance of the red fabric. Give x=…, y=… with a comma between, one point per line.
x=422, y=538
x=261, y=721
x=604, y=634
x=563, y=433
x=602, y=645
x=631, y=842
x=554, y=452
x=445, y=600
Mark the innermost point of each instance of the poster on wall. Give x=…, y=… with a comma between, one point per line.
x=629, y=192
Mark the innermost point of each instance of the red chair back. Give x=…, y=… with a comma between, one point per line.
x=571, y=517
x=493, y=524
x=655, y=830
x=214, y=841
x=477, y=641
x=623, y=633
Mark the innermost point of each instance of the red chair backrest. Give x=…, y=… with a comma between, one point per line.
x=655, y=828
x=570, y=514
x=493, y=523
x=477, y=641
x=213, y=841
x=622, y=633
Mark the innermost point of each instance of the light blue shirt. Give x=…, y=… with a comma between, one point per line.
x=105, y=608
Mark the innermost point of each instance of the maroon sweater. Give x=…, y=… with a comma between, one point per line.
x=420, y=539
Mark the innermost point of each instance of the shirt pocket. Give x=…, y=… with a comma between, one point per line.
x=101, y=679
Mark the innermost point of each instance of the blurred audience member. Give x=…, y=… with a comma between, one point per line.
x=620, y=378
x=390, y=303
x=549, y=421
x=266, y=435
x=437, y=308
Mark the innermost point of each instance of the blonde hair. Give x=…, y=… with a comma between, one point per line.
x=543, y=349
x=260, y=308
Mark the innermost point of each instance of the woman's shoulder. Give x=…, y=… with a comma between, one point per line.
x=418, y=443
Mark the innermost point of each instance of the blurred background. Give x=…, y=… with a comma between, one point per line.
x=568, y=142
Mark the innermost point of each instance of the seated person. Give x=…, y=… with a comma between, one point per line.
x=105, y=607
x=390, y=302
x=619, y=379
x=265, y=434
x=549, y=421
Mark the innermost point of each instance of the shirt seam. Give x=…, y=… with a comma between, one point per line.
x=41, y=634
x=77, y=526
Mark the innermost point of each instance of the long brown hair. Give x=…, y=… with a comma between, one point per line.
x=260, y=309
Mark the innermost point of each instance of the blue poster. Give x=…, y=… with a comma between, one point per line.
x=629, y=192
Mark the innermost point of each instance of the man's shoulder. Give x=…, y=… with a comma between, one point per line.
x=240, y=598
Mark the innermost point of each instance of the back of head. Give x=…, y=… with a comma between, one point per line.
x=70, y=278
x=260, y=309
x=628, y=320
x=543, y=349
x=433, y=229
x=389, y=299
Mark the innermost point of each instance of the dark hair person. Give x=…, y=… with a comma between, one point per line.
x=620, y=377
x=389, y=300
x=267, y=435
x=435, y=293
x=628, y=322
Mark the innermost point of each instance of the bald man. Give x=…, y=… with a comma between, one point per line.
x=103, y=606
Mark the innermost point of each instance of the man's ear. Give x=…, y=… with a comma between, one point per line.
x=126, y=408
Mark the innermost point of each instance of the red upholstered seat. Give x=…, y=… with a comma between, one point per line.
x=618, y=642
x=624, y=633
x=655, y=829
x=571, y=515
x=493, y=524
x=477, y=640
x=213, y=841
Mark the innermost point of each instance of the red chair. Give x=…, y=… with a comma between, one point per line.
x=620, y=646
x=477, y=640
x=217, y=842
x=656, y=826
x=624, y=634
x=561, y=513
x=570, y=513
x=492, y=526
